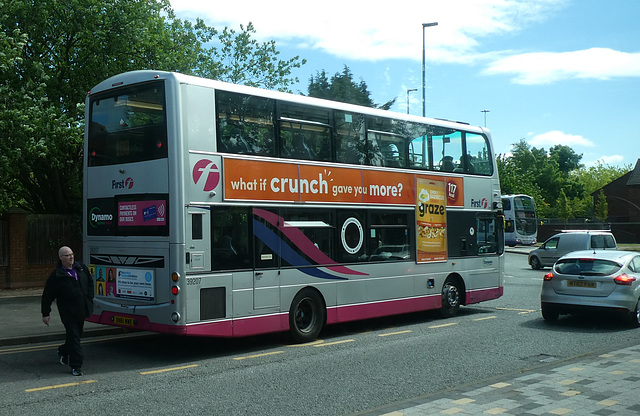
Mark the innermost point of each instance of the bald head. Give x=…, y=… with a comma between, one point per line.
x=66, y=256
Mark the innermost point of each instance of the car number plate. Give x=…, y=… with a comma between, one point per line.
x=123, y=320
x=581, y=283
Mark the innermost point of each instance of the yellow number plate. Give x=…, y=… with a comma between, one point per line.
x=123, y=320
x=580, y=283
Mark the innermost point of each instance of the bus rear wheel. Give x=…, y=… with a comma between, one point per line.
x=451, y=298
x=307, y=316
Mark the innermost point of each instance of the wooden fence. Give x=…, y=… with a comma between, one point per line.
x=29, y=246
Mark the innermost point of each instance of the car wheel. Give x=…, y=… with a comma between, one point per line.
x=307, y=316
x=451, y=298
x=634, y=317
x=535, y=263
x=550, y=314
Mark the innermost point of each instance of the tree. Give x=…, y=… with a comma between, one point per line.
x=565, y=157
x=54, y=51
x=242, y=60
x=559, y=183
x=602, y=207
x=36, y=154
x=343, y=88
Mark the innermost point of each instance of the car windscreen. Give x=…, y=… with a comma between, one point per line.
x=586, y=267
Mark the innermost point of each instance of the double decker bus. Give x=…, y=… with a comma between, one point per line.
x=521, y=222
x=214, y=209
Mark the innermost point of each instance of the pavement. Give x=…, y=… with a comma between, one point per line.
x=600, y=384
x=22, y=320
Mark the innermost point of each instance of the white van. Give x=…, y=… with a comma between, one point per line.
x=568, y=241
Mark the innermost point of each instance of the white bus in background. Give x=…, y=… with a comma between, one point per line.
x=521, y=222
x=214, y=209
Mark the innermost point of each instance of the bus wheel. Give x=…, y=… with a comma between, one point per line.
x=451, y=294
x=307, y=316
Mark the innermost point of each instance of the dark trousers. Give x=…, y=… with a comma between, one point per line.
x=72, y=348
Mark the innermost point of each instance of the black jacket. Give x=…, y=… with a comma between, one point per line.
x=73, y=297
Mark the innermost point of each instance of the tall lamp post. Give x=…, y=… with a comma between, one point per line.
x=485, y=116
x=408, y=91
x=424, y=25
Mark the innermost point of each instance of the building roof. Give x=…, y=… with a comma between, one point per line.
x=634, y=179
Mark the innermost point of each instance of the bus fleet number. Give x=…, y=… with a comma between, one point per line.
x=193, y=281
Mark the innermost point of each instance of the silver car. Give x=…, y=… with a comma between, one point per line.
x=607, y=280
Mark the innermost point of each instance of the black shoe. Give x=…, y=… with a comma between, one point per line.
x=63, y=360
x=76, y=371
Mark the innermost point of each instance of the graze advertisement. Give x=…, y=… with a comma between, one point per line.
x=431, y=219
x=118, y=282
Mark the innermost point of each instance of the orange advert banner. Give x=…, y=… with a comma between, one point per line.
x=289, y=182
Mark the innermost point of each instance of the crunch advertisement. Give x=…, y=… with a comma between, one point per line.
x=287, y=182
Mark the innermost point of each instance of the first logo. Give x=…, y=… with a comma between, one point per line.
x=208, y=170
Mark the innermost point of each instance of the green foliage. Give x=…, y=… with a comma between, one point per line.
x=52, y=52
x=242, y=60
x=602, y=207
x=343, y=88
x=559, y=183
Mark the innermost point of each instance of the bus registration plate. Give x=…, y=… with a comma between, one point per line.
x=581, y=283
x=123, y=320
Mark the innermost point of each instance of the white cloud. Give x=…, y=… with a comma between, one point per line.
x=612, y=160
x=556, y=137
x=548, y=67
x=357, y=30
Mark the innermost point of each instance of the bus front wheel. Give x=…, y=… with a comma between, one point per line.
x=451, y=298
x=307, y=316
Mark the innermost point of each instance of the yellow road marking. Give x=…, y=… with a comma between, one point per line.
x=517, y=310
x=326, y=344
x=164, y=370
x=485, y=318
x=307, y=344
x=258, y=355
x=27, y=349
x=395, y=333
x=57, y=386
x=45, y=347
x=443, y=325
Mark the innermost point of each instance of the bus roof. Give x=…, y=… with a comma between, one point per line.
x=136, y=77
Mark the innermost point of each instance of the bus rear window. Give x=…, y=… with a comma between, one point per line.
x=128, y=125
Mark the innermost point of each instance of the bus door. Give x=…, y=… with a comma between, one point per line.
x=197, y=243
x=266, y=274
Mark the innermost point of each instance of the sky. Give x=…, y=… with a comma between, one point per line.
x=551, y=72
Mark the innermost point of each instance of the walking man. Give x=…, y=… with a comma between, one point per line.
x=70, y=284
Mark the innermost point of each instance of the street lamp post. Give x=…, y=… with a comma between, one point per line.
x=485, y=116
x=424, y=25
x=408, y=91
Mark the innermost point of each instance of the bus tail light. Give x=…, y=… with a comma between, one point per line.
x=548, y=276
x=175, y=276
x=175, y=289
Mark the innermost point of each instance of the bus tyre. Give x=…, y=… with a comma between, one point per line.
x=535, y=263
x=451, y=294
x=307, y=316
